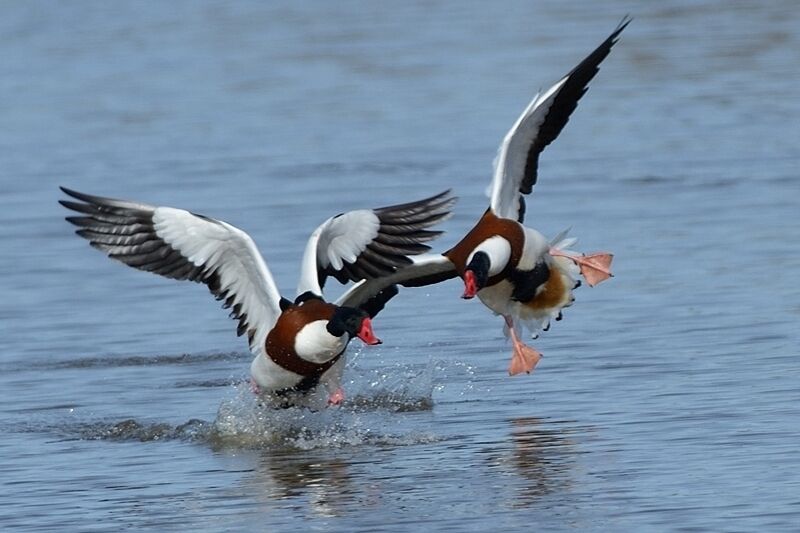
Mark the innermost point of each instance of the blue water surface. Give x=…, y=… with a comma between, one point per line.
x=667, y=399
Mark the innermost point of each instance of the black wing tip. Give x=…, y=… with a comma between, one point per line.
x=627, y=19
x=438, y=201
x=443, y=194
x=438, y=205
x=79, y=207
x=86, y=204
x=410, y=216
x=449, y=194
x=76, y=220
x=105, y=202
x=78, y=195
x=445, y=198
x=448, y=199
x=614, y=37
x=83, y=206
x=599, y=54
x=70, y=192
x=575, y=85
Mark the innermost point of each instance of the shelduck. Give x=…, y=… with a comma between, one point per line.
x=512, y=268
x=298, y=344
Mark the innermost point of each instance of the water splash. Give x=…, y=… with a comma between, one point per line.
x=384, y=406
x=396, y=388
x=245, y=423
x=370, y=415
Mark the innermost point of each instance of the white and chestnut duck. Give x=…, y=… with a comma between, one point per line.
x=298, y=344
x=513, y=269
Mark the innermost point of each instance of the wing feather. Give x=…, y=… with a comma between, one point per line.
x=371, y=243
x=517, y=161
x=181, y=245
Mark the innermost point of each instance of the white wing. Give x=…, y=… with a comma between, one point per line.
x=181, y=245
x=371, y=243
x=516, y=164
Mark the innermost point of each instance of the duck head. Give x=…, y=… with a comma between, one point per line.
x=476, y=274
x=354, y=322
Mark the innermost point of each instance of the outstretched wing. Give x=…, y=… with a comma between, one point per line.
x=371, y=243
x=372, y=294
x=178, y=244
x=517, y=159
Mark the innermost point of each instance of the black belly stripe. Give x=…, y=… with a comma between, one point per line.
x=307, y=384
x=294, y=363
x=526, y=282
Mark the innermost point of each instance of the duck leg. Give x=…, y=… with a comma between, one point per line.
x=254, y=388
x=336, y=397
x=523, y=358
x=595, y=267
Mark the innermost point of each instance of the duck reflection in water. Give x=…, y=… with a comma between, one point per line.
x=323, y=482
x=541, y=454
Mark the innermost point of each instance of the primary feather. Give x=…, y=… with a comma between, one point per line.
x=517, y=161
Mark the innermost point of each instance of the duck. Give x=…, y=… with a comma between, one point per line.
x=513, y=269
x=297, y=344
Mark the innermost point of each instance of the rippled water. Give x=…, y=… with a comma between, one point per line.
x=668, y=397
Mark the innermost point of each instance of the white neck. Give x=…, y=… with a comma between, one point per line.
x=499, y=251
x=314, y=343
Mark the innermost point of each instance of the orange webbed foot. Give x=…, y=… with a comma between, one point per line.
x=523, y=359
x=595, y=267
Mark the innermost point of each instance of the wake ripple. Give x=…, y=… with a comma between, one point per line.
x=133, y=430
x=144, y=360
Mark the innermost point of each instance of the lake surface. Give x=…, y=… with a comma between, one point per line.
x=668, y=398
